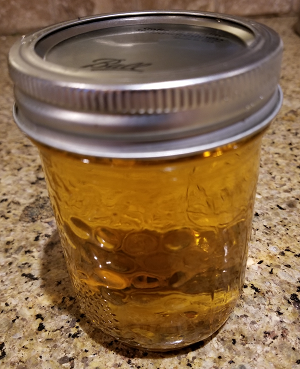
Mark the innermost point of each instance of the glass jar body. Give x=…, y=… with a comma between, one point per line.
x=156, y=249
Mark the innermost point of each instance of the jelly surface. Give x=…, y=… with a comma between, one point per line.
x=156, y=249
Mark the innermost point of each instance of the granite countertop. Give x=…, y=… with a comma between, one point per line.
x=41, y=325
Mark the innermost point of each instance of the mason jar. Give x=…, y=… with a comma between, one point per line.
x=149, y=128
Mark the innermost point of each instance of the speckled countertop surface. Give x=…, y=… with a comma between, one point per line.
x=41, y=325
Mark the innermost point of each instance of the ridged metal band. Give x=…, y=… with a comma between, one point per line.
x=258, y=70
x=243, y=85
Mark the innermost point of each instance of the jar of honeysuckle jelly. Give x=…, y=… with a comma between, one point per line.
x=149, y=129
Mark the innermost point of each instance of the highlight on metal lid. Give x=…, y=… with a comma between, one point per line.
x=146, y=84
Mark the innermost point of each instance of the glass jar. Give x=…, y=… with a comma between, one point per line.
x=150, y=143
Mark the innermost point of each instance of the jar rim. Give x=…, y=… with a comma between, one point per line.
x=96, y=145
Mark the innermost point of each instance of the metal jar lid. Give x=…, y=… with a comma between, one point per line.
x=146, y=84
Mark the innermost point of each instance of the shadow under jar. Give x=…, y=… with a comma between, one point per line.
x=149, y=129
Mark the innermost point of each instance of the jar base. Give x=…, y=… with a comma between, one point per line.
x=166, y=346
